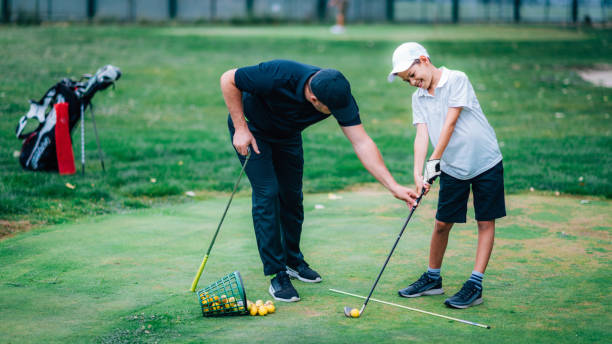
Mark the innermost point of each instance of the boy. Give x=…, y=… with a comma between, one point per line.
x=466, y=153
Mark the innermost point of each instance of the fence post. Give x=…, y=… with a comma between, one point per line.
x=517, y=11
x=6, y=11
x=213, y=9
x=91, y=9
x=321, y=10
x=574, y=11
x=455, y=11
x=172, y=7
x=390, y=10
x=249, y=8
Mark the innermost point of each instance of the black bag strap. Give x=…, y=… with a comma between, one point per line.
x=38, y=110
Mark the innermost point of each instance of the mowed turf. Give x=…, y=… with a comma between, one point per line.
x=125, y=277
x=166, y=120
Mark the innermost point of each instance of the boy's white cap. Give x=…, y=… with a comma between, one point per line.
x=404, y=56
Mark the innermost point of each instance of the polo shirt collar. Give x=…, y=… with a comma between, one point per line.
x=441, y=83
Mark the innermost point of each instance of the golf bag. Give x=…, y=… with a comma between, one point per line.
x=49, y=146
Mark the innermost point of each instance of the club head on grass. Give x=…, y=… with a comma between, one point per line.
x=351, y=312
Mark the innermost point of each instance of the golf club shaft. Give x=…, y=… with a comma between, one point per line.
x=93, y=120
x=82, y=140
x=194, y=284
x=414, y=309
x=418, y=200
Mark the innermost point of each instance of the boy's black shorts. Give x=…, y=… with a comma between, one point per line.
x=488, y=190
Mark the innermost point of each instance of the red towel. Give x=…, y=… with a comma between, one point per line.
x=63, y=142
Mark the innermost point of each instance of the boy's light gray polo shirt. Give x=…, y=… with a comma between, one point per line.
x=473, y=147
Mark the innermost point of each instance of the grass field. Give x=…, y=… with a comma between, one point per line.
x=112, y=259
x=125, y=278
x=166, y=119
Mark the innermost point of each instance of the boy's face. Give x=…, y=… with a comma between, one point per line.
x=419, y=74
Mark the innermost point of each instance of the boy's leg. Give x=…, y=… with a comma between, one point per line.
x=439, y=241
x=486, y=237
x=488, y=190
x=452, y=207
x=489, y=204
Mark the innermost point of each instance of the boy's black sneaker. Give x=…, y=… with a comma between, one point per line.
x=423, y=286
x=281, y=288
x=304, y=273
x=469, y=295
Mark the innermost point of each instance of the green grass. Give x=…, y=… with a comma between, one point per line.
x=124, y=278
x=167, y=120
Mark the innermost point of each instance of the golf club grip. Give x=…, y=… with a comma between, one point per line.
x=194, y=284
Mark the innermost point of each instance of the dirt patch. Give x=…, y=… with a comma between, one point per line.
x=8, y=228
x=600, y=75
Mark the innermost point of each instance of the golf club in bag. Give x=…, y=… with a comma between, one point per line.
x=194, y=284
x=347, y=310
x=49, y=146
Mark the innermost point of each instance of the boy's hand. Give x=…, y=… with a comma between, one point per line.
x=432, y=171
x=420, y=184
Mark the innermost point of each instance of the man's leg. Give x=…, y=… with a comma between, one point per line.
x=289, y=167
x=265, y=206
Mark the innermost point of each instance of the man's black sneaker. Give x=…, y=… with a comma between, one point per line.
x=469, y=295
x=423, y=286
x=281, y=288
x=304, y=273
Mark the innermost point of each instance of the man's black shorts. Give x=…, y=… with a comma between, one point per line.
x=488, y=190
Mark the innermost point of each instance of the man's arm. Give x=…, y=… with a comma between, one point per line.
x=421, y=143
x=233, y=99
x=372, y=160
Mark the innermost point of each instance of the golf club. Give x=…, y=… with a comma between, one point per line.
x=414, y=309
x=194, y=284
x=348, y=311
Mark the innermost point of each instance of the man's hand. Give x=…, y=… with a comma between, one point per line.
x=243, y=139
x=432, y=171
x=405, y=194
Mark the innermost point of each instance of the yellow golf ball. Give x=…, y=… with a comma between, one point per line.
x=355, y=313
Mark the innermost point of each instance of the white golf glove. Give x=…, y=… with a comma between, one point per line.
x=432, y=170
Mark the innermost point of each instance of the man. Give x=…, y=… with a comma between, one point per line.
x=269, y=105
x=341, y=10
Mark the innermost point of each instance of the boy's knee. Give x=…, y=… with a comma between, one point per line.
x=486, y=225
x=443, y=227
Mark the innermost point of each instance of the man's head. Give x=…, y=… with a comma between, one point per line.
x=411, y=63
x=329, y=92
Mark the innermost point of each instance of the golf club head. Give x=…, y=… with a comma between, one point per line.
x=347, y=312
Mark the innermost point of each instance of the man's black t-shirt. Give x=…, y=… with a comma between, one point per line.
x=273, y=98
